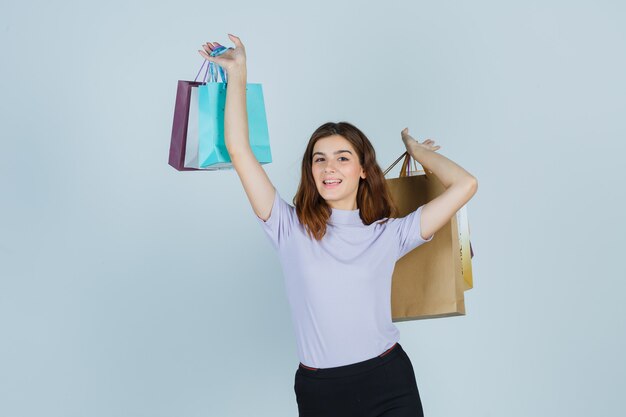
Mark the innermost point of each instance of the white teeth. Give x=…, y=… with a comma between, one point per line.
x=332, y=182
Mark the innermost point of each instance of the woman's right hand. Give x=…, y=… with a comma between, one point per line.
x=232, y=60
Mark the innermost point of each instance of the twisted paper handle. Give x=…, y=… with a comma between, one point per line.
x=405, y=171
x=211, y=67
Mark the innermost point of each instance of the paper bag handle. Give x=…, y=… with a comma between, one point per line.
x=204, y=61
x=405, y=171
x=211, y=68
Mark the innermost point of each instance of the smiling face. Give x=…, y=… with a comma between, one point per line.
x=335, y=158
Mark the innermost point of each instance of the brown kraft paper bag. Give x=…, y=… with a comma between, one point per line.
x=429, y=281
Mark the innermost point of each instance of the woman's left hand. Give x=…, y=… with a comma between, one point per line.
x=413, y=145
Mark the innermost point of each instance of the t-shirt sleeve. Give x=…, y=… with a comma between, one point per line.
x=279, y=225
x=409, y=232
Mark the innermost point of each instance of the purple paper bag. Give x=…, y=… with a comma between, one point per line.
x=178, y=142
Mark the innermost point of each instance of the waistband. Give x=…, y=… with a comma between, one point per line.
x=353, y=368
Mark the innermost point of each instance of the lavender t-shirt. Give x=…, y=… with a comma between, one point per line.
x=339, y=288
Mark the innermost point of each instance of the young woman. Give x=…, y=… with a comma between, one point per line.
x=338, y=246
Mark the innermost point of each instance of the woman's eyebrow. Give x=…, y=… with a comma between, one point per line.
x=336, y=152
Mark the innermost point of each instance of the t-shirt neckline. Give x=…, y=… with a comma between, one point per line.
x=345, y=216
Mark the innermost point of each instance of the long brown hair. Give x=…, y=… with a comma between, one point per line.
x=373, y=198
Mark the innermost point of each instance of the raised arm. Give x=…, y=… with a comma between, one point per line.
x=256, y=183
x=460, y=184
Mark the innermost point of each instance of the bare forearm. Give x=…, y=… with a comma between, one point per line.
x=447, y=171
x=236, y=113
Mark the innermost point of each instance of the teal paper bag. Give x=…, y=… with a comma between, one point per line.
x=212, y=152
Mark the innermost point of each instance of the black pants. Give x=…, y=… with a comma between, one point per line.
x=383, y=386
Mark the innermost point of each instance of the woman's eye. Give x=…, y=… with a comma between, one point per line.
x=321, y=159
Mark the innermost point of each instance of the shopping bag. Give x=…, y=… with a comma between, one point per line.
x=183, y=154
x=191, y=147
x=190, y=152
x=429, y=281
x=212, y=152
x=459, y=222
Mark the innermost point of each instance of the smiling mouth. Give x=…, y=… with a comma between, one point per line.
x=332, y=184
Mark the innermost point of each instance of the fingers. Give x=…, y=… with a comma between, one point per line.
x=207, y=51
x=431, y=144
x=235, y=40
x=210, y=46
x=205, y=55
x=428, y=142
x=210, y=58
